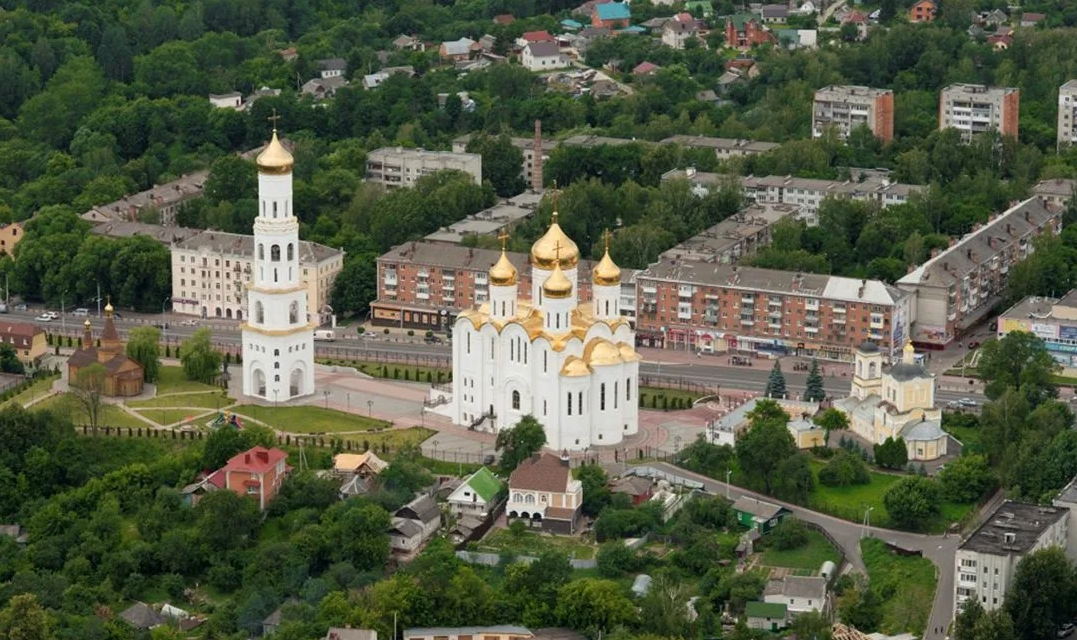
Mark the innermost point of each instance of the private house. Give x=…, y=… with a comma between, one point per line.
x=257, y=473
x=123, y=376
x=476, y=495
x=408, y=43
x=142, y=616
x=492, y=632
x=1000, y=42
x=774, y=13
x=323, y=88
x=799, y=594
x=759, y=515
x=28, y=340
x=645, y=69
x=271, y=623
x=233, y=100
x=637, y=488
x=505, y=19
x=530, y=37
x=10, y=234
x=15, y=532
x=347, y=633
x=923, y=11
x=331, y=68
x=675, y=33
x=612, y=15
x=543, y=56
x=374, y=80
x=346, y=465
x=543, y=493
x=745, y=30
x=413, y=524
x=455, y=50
x=766, y=616
x=1032, y=19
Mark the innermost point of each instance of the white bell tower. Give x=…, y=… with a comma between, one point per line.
x=278, y=339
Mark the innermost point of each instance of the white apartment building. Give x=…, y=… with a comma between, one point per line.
x=975, y=108
x=845, y=108
x=400, y=167
x=211, y=269
x=985, y=562
x=1067, y=114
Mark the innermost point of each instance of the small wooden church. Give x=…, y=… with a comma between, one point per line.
x=123, y=376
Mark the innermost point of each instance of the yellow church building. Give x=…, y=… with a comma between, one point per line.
x=898, y=402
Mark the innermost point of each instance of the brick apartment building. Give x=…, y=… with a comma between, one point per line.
x=975, y=108
x=693, y=305
x=744, y=31
x=845, y=108
x=957, y=287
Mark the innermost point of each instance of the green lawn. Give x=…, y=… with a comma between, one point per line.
x=309, y=419
x=35, y=390
x=110, y=415
x=394, y=371
x=165, y=417
x=172, y=380
x=207, y=400
x=905, y=584
x=811, y=556
x=532, y=544
x=395, y=439
x=652, y=397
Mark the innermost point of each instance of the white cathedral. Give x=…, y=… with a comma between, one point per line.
x=570, y=364
x=278, y=339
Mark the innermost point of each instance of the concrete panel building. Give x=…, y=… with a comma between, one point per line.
x=1053, y=320
x=1067, y=114
x=845, y=108
x=958, y=287
x=975, y=108
x=400, y=167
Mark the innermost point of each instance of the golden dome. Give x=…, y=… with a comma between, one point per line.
x=601, y=352
x=503, y=274
x=574, y=367
x=557, y=285
x=275, y=159
x=108, y=307
x=606, y=273
x=544, y=251
x=86, y=324
x=628, y=354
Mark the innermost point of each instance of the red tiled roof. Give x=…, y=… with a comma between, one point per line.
x=504, y=19
x=255, y=460
x=538, y=36
x=645, y=67
x=20, y=329
x=542, y=473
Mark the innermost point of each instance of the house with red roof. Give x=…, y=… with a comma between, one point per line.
x=645, y=69
x=1032, y=19
x=543, y=493
x=505, y=19
x=257, y=472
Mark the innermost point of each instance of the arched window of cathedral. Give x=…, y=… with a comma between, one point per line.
x=614, y=394
x=607, y=307
x=274, y=253
x=293, y=312
x=871, y=370
x=259, y=313
x=291, y=252
x=276, y=352
x=274, y=208
x=602, y=397
x=516, y=400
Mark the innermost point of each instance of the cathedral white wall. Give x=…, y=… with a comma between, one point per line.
x=606, y=302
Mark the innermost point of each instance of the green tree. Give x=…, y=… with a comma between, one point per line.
x=794, y=479
x=813, y=390
x=812, y=626
x=9, y=360
x=664, y=610
x=831, y=420
x=356, y=285
x=775, y=382
x=502, y=163
x=596, y=490
x=25, y=619
x=966, y=479
x=892, y=453
x=231, y=178
x=88, y=391
x=765, y=446
x=912, y=501
x=1042, y=594
x=844, y=469
x=520, y=442
x=114, y=54
x=789, y=534
x=861, y=607
x=1019, y=360
x=966, y=620
x=615, y=559
x=143, y=346
x=199, y=359
x=591, y=605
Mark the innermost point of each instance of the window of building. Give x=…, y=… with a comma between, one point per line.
x=516, y=400
x=602, y=397
x=569, y=403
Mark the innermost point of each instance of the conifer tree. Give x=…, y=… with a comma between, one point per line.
x=776, y=382
x=814, y=391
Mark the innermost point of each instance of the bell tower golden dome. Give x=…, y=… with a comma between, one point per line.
x=503, y=273
x=606, y=273
x=275, y=159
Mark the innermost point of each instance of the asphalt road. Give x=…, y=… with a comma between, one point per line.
x=939, y=549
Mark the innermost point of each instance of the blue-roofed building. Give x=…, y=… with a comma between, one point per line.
x=571, y=25
x=612, y=15
x=635, y=28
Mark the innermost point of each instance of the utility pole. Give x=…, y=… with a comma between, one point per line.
x=98, y=299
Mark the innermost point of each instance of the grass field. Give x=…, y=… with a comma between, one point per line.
x=165, y=417
x=811, y=556
x=207, y=400
x=309, y=419
x=905, y=584
x=109, y=416
x=171, y=380
x=35, y=390
x=395, y=439
x=532, y=544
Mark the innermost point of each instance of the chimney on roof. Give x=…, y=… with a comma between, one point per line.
x=968, y=253
x=536, y=170
x=1028, y=216
x=945, y=266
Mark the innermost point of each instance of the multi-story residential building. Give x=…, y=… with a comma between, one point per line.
x=1067, y=114
x=525, y=145
x=167, y=236
x=165, y=199
x=257, y=473
x=1053, y=320
x=845, y=108
x=958, y=287
x=26, y=338
x=1067, y=500
x=693, y=305
x=923, y=11
x=745, y=30
x=400, y=167
x=985, y=562
x=804, y=193
x=211, y=269
x=975, y=108
x=424, y=285
x=738, y=235
x=502, y=217
x=724, y=148
x=1056, y=193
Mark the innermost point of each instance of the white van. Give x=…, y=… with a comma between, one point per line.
x=80, y=312
x=325, y=334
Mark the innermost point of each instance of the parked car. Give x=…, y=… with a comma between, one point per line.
x=1065, y=630
x=44, y=318
x=190, y=323
x=51, y=314
x=432, y=340
x=81, y=311
x=21, y=306
x=968, y=402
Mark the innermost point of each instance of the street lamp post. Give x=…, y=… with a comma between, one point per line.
x=435, y=443
x=164, y=325
x=370, y=408
x=326, y=395
x=349, y=397
x=728, y=473
x=867, y=521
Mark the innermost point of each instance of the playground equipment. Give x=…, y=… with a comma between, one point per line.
x=229, y=420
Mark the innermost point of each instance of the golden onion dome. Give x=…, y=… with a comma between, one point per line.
x=86, y=324
x=606, y=273
x=602, y=352
x=544, y=253
x=575, y=367
x=628, y=354
x=557, y=285
x=503, y=273
x=108, y=307
x=275, y=159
